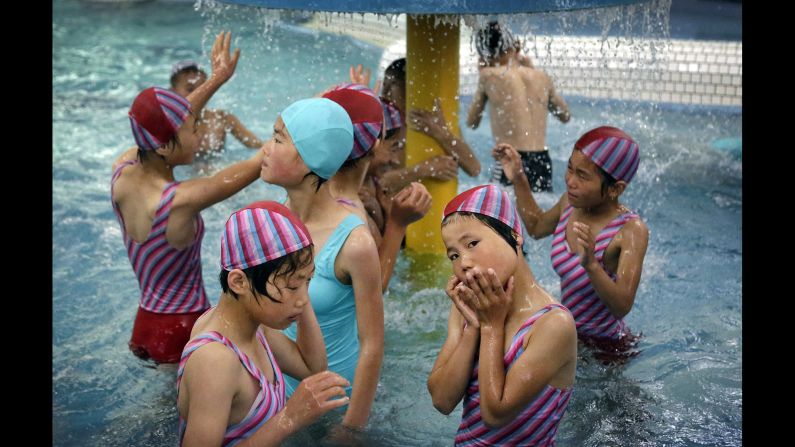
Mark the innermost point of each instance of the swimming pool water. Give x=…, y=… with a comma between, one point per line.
x=683, y=390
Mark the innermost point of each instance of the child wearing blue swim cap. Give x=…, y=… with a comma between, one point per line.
x=312, y=138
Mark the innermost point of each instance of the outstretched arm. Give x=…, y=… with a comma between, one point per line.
x=539, y=223
x=197, y=194
x=440, y=167
x=433, y=124
x=241, y=132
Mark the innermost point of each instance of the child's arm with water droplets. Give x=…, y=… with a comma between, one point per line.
x=223, y=67
x=433, y=124
x=452, y=370
x=618, y=296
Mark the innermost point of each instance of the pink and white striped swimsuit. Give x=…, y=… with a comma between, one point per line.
x=591, y=315
x=535, y=425
x=269, y=401
x=170, y=280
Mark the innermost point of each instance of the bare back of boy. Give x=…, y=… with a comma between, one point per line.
x=519, y=100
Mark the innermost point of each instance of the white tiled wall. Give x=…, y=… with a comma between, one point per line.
x=677, y=71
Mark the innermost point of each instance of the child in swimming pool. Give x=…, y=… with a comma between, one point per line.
x=160, y=217
x=312, y=139
x=598, y=244
x=212, y=125
x=229, y=383
x=511, y=348
x=367, y=114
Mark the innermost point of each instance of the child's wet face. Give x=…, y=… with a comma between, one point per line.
x=292, y=291
x=188, y=82
x=281, y=163
x=583, y=181
x=470, y=244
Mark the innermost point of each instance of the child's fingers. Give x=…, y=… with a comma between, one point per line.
x=328, y=393
x=335, y=403
x=468, y=297
x=493, y=280
x=474, y=284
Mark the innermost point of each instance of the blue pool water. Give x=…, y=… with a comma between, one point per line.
x=685, y=389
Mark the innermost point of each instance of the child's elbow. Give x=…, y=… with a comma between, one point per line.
x=443, y=404
x=494, y=421
x=443, y=407
x=622, y=308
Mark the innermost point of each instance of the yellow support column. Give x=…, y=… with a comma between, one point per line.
x=431, y=72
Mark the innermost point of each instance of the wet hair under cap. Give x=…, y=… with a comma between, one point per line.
x=264, y=240
x=260, y=275
x=493, y=41
x=397, y=70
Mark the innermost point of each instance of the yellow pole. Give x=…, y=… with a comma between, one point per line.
x=431, y=72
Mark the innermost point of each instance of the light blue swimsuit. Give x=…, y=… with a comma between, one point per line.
x=335, y=308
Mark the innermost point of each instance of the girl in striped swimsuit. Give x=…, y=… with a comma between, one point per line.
x=511, y=349
x=230, y=384
x=598, y=244
x=159, y=216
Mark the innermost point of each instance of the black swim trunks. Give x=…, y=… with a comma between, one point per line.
x=537, y=167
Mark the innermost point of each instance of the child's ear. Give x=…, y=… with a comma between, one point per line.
x=519, y=243
x=617, y=189
x=238, y=282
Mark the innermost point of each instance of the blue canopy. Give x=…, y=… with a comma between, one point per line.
x=434, y=6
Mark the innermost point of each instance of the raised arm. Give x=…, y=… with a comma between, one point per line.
x=539, y=223
x=452, y=370
x=359, y=258
x=440, y=167
x=433, y=124
x=618, y=296
x=408, y=206
x=551, y=345
x=223, y=67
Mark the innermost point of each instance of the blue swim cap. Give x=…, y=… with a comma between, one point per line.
x=322, y=132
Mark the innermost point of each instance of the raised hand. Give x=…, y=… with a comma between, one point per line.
x=223, y=63
x=585, y=243
x=455, y=290
x=410, y=204
x=360, y=75
x=430, y=122
x=510, y=160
